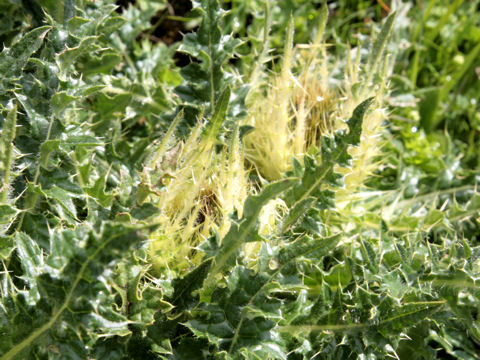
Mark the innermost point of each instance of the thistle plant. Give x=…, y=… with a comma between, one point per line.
x=147, y=213
x=297, y=107
x=195, y=189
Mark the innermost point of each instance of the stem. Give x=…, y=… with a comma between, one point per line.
x=8, y=134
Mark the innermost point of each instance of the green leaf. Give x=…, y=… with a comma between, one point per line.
x=7, y=214
x=316, y=179
x=64, y=199
x=218, y=117
x=7, y=245
x=243, y=315
x=409, y=314
x=299, y=210
x=67, y=57
x=245, y=229
x=74, y=298
x=97, y=192
x=31, y=255
x=379, y=46
x=60, y=101
x=61, y=10
x=205, y=81
x=428, y=107
x=50, y=145
x=14, y=59
x=182, y=297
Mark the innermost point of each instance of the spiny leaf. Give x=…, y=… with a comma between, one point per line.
x=218, y=117
x=408, y=315
x=98, y=193
x=245, y=311
x=14, y=59
x=7, y=245
x=317, y=178
x=31, y=255
x=62, y=10
x=72, y=296
x=300, y=209
x=182, y=297
x=245, y=230
x=205, y=81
